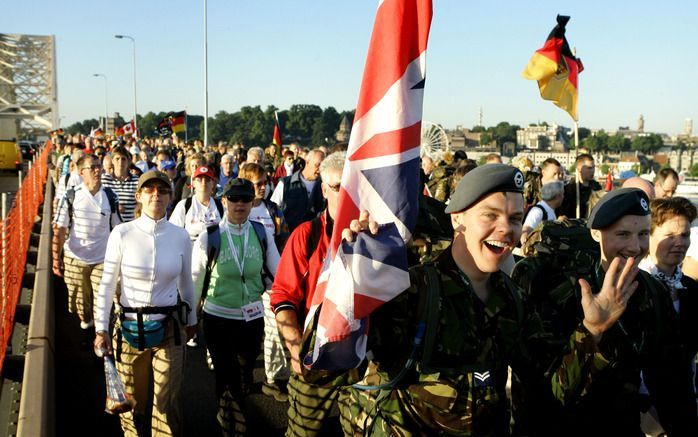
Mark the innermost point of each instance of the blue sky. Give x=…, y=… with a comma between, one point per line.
x=640, y=57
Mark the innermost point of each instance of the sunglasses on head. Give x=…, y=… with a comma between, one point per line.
x=150, y=189
x=235, y=198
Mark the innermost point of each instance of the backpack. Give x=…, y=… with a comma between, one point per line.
x=111, y=197
x=564, y=244
x=545, y=213
x=219, y=206
x=214, y=248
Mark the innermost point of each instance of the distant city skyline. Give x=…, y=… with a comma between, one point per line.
x=639, y=58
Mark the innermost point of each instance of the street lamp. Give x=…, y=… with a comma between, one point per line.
x=135, y=106
x=106, y=106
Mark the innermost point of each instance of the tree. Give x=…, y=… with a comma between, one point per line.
x=596, y=143
x=505, y=133
x=647, y=144
x=301, y=119
x=694, y=170
x=618, y=143
x=325, y=126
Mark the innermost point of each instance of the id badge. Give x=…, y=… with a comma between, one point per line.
x=253, y=311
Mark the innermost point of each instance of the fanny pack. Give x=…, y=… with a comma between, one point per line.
x=149, y=335
x=146, y=334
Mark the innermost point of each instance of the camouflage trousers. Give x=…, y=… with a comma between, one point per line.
x=310, y=405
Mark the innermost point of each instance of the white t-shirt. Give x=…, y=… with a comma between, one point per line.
x=260, y=214
x=278, y=195
x=90, y=228
x=197, y=219
x=535, y=215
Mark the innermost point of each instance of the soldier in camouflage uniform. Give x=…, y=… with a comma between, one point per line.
x=466, y=323
x=599, y=394
x=439, y=182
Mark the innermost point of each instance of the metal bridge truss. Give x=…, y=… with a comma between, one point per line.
x=28, y=92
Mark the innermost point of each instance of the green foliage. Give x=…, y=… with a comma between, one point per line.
x=604, y=168
x=309, y=125
x=647, y=144
x=596, y=143
x=694, y=170
x=618, y=143
x=82, y=127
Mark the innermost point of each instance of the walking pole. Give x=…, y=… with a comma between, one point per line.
x=576, y=169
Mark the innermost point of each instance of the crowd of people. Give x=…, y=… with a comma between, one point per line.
x=539, y=304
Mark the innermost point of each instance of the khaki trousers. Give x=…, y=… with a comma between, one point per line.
x=82, y=281
x=163, y=367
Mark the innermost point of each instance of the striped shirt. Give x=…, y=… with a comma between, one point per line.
x=125, y=191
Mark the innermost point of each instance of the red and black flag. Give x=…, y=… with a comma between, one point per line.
x=276, y=136
x=556, y=69
x=178, y=121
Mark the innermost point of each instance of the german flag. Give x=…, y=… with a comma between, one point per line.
x=556, y=69
x=178, y=122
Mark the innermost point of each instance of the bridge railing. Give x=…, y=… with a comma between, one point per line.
x=16, y=230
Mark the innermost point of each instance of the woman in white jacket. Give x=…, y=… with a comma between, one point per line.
x=243, y=261
x=152, y=258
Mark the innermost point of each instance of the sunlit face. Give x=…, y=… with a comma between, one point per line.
x=586, y=170
x=312, y=166
x=91, y=171
x=627, y=237
x=488, y=231
x=669, y=243
x=427, y=165
x=120, y=164
x=193, y=165
x=330, y=190
x=227, y=165
x=255, y=158
x=203, y=185
x=260, y=186
x=238, y=208
x=550, y=173
x=667, y=189
x=154, y=197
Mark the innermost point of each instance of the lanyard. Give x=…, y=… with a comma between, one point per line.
x=239, y=262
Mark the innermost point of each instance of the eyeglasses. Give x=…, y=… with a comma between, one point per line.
x=236, y=199
x=93, y=167
x=335, y=187
x=150, y=189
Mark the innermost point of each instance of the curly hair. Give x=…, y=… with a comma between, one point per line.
x=668, y=208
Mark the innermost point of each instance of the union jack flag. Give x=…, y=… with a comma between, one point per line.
x=381, y=176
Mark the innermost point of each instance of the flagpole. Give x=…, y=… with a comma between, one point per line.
x=205, y=73
x=576, y=170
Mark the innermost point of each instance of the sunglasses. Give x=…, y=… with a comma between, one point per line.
x=153, y=188
x=236, y=199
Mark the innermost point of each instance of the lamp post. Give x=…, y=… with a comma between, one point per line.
x=135, y=106
x=106, y=105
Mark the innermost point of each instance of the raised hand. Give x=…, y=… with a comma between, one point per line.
x=359, y=225
x=603, y=309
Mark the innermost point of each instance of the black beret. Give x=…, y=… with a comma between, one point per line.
x=483, y=180
x=238, y=187
x=616, y=204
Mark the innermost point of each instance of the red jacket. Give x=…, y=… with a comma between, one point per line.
x=297, y=274
x=281, y=173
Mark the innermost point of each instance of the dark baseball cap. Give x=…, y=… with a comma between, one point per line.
x=238, y=187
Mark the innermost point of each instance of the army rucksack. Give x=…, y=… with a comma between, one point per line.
x=557, y=254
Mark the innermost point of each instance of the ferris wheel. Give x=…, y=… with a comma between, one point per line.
x=434, y=140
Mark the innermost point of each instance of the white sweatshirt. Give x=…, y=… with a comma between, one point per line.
x=153, y=260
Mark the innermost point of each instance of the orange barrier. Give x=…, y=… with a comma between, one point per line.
x=16, y=230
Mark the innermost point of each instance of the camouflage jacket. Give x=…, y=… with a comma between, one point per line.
x=439, y=183
x=456, y=384
x=595, y=388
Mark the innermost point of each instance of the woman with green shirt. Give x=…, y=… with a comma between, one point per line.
x=245, y=262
